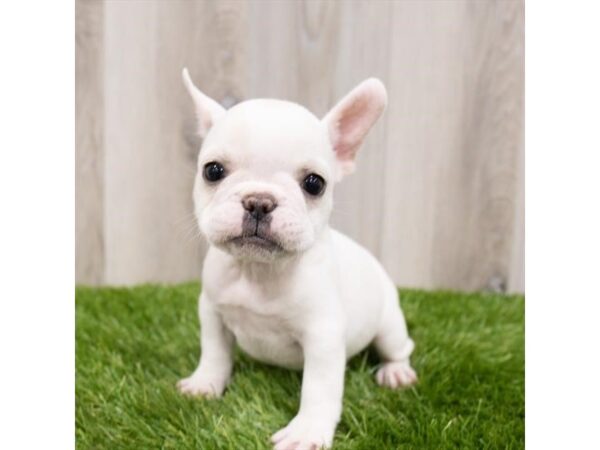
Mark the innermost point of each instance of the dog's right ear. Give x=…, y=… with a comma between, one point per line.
x=351, y=119
x=208, y=111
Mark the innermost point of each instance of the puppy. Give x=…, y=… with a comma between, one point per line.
x=277, y=280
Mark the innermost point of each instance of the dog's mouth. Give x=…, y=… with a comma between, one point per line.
x=257, y=241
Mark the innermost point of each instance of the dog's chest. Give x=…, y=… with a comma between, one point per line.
x=262, y=323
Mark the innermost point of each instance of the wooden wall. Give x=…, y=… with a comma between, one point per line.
x=438, y=194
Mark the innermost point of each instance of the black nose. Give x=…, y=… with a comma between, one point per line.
x=259, y=205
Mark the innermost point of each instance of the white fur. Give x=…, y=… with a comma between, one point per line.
x=318, y=300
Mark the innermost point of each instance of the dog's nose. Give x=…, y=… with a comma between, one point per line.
x=259, y=205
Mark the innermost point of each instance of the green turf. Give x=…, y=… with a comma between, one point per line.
x=134, y=344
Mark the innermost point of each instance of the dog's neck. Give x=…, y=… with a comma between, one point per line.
x=261, y=272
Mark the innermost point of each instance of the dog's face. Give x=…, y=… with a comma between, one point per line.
x=266, y=169
x=265, y=178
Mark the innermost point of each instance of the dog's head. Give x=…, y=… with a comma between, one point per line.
x=266, y=169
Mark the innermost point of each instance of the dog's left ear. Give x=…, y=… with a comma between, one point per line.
x=207, y=110
x=351, y=119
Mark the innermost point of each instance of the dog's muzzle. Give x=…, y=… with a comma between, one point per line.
x=256, y=222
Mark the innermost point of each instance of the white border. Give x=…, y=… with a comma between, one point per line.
x=37, y=224
x=562, y=224
x=37, y=233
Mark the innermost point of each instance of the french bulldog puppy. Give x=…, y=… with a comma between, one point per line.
x=277, y=280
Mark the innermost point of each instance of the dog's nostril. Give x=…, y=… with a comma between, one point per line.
x=267, y=205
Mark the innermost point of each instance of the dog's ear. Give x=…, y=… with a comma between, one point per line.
x=208, y=111
x=350, y=120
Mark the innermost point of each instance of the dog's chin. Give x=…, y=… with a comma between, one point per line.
x=254, y=248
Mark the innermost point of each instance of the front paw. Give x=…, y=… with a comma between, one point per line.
x=305, y=433
x=200, y=384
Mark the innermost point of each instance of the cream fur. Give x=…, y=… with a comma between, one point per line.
x=319, y=298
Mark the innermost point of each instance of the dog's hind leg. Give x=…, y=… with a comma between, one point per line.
x=394, y=346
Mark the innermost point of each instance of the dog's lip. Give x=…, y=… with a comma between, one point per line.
x=257, y=241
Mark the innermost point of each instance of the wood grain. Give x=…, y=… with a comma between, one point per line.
x=438, y=193
x=151, y=145
x=89, y=142
x=458, y=115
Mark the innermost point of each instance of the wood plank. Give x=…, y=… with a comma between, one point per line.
x=364, y=46
x=150, y=144
x=458, y=132
x=89, y=152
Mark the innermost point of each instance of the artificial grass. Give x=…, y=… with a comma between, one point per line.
x=133, y=344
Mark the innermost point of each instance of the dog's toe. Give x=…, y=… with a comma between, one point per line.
x=197, y=386
x=395, y=375
x=304, y=433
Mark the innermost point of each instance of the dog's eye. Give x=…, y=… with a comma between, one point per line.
x=213, y=171
x=313, y=184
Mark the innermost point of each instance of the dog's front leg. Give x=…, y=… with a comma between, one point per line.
x=216, y=359
x=321, y=399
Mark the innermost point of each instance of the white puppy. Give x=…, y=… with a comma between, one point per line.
x=277, y=279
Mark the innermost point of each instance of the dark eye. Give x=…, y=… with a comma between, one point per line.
x=213, y=171
x=313, y=184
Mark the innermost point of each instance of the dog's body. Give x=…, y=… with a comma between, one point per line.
x=268, y=310
x=277, y=279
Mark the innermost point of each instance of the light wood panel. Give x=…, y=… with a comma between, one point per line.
x=457, y=110
x=150, y=137
x=89, y=148
x=438, y=194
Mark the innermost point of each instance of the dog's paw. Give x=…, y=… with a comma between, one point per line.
x=304, y=433
x=395, y=375
x=201, y=385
